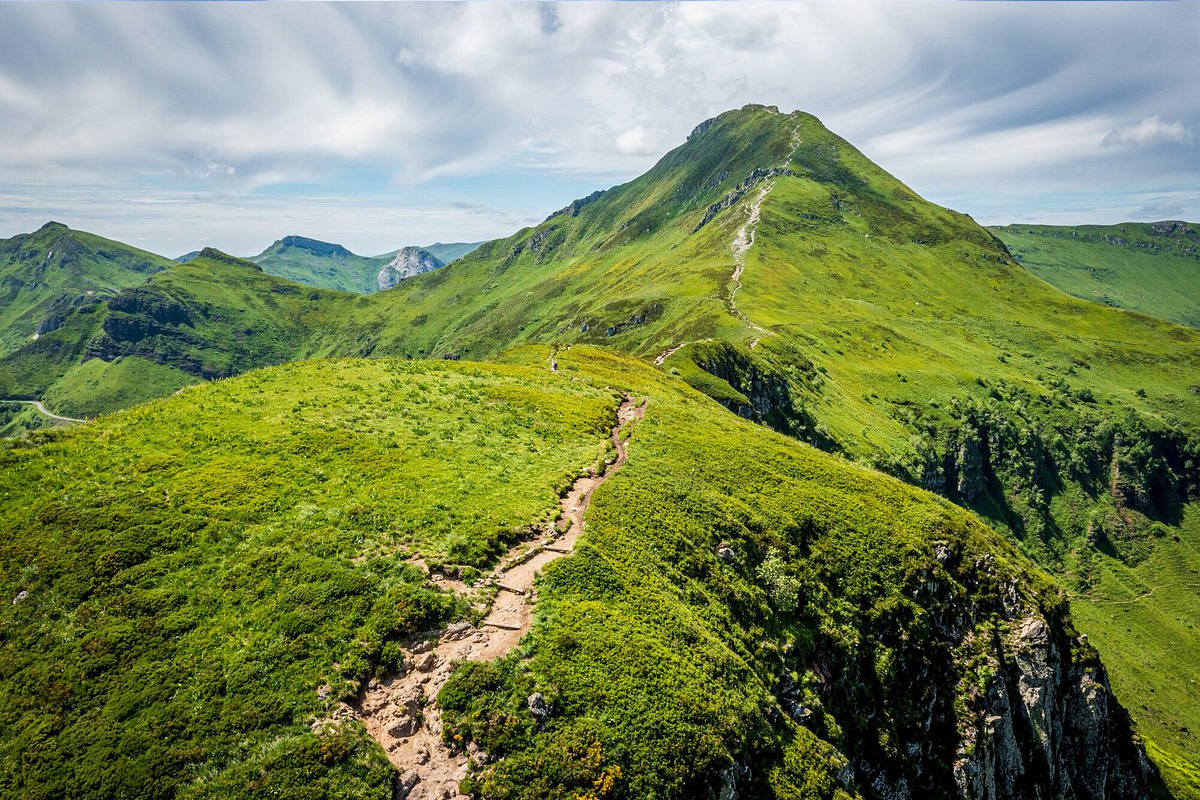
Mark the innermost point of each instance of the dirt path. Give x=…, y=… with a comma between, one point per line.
x=44, y=411
x=661, y=357
x=741, y=243
x=398, y=710
x=1141, y=596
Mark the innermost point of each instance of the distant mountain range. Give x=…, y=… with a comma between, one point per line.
x=332, y=266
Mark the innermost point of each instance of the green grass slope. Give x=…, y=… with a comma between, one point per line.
x=44, y=274
x=863, y=319
x=322, y=264
x=198, y=567
x=197, y=581
x=1151, y=267
x=211, y=317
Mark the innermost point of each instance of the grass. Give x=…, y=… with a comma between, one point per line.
x=1145, y=619
x=1135, y=265
x=198, y=567
x=901, y=334
x=45, y=273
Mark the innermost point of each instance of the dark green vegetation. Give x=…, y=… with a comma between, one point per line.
x=198, y=567
x=46, y=274
x=198, y=572
x=866, y=321
x=1151, y=267
x=315, y=263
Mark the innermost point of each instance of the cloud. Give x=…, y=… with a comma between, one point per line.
x=418, y=105
x=1151, y=130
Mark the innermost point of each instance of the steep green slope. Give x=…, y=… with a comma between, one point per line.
x=45, y=274
x=198, y=581
x=211, y=317
x=1151, y=267
x=1144, y=616
x=322, y=264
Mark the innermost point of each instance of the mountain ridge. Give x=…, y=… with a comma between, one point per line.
x=768, y=264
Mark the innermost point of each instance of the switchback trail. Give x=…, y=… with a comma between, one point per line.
x=398, y=710
x=44, y=411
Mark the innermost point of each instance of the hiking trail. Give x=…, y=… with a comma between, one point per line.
x=398, y=710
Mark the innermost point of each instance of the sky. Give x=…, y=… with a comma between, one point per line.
x=174, y=126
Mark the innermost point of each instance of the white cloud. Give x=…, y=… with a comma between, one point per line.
x=987, y=103
x=1151, y=130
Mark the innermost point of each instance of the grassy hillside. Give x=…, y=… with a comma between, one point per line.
x=211, y=317
x=780, y=272
x=1151, y=267
x=329, y=266
x=1145, y=617
x=45, y=274
x=197, y=582
x=198, y=567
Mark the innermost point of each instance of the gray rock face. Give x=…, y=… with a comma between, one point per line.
x=407, y=263
x=538, y=707
x=1049, y=727
x=971, y=485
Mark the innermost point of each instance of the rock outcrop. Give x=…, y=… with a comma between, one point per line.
x=408, y=262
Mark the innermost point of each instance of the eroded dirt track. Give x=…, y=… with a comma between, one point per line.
x=398, y=711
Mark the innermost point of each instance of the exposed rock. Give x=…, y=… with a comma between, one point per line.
x=407, y=263
x=971, y=485
x=424, y=662
x=575, y=206
x=404, y=726
x=407, y=782
x=700, y=129
x=1171, y=227
x=538, y=707
x=1048, y=727
x=756, y=177
x=21, y=597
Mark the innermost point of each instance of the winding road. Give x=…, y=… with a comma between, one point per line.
x=43, y=410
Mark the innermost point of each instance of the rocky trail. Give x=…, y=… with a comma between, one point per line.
x=398, y=710
x=741, y=243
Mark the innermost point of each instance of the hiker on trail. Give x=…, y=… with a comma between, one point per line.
x=554, y=365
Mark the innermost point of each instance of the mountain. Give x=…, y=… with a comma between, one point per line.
x=221, y=594
x=1151, y=267
x=317, y=263
x=211, y=317
x=408, y=262
x=45, y=274
x=443, y=251
x=332, y=266
x=770, y=265
x=450, y=251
